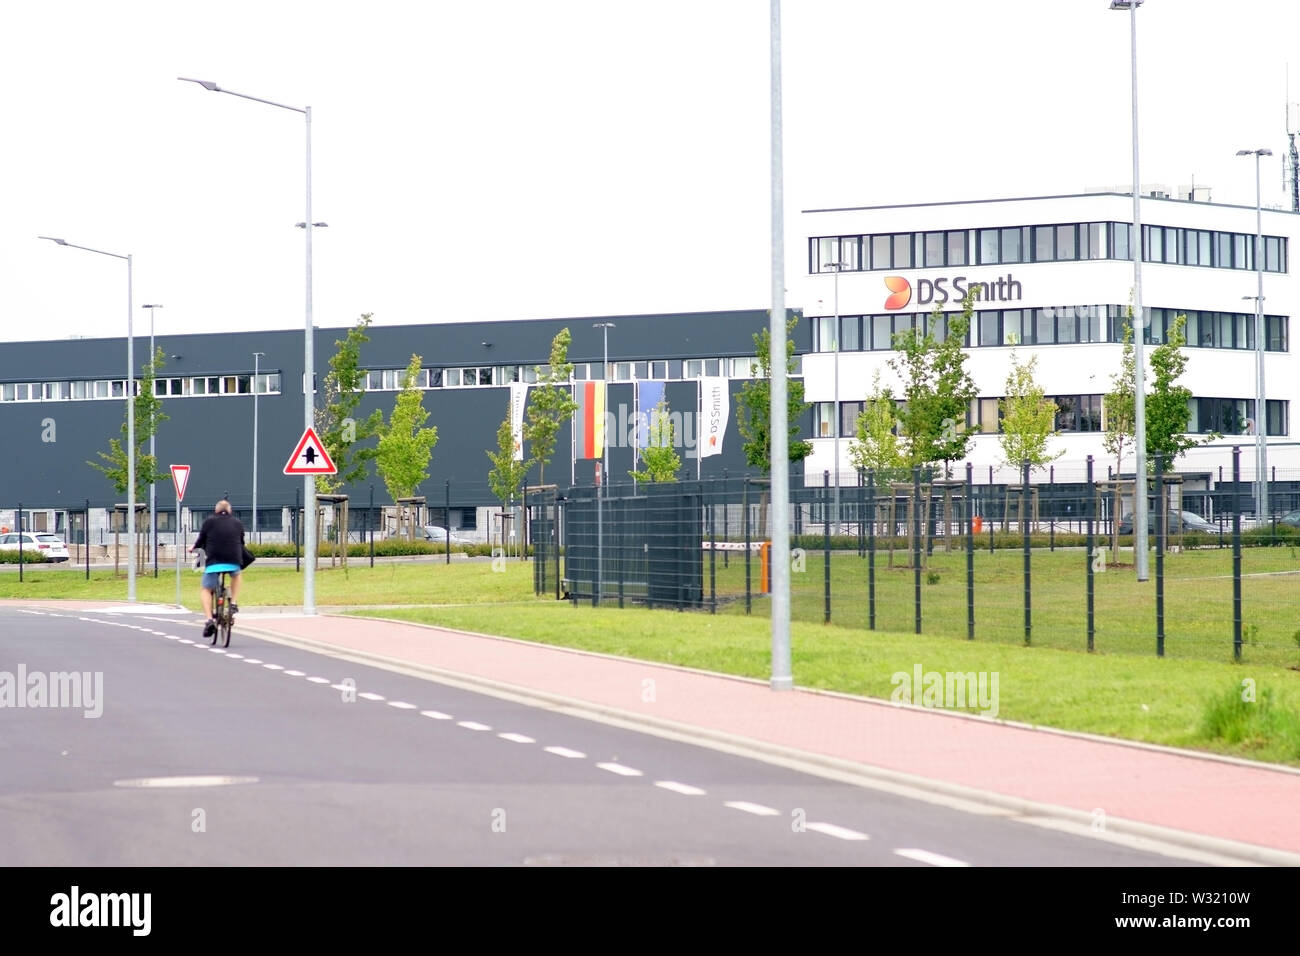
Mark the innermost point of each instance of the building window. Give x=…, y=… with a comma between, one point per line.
x=849, y=333
x=824, y=419
x=849, y=412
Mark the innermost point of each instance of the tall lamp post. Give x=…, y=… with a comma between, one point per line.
x=1140, y=557
x=604, y=475
x=308, y=363
x=256, y=357
x=153, y=492
x=130, y=415
x=837, y=266
x=1261, y=409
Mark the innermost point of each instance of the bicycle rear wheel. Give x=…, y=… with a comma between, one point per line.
x=218, y=605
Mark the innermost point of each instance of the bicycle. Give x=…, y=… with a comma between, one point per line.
x=225, y=618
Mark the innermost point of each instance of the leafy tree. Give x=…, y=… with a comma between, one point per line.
x=551, y=403
x=148, y=416
x=877, y=448
x=1168, y=412
x=405, y=445
x=335, y=425
x=506, y=474
x=1120, y=403
x=660, y=457
x=756, y=404
x=1028, y=419
x=937, y=389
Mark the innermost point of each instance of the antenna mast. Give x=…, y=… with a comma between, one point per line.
x=1292, y=176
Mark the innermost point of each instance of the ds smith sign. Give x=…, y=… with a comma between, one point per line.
x=943, y=288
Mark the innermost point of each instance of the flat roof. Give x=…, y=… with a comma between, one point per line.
x=972, y=202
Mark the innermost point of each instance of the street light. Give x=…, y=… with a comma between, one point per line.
x=604, y=475
x=837, y=266
x=1261, y=411
x=153, y=495
x=309, y=365
x=256, y=357
x=1140, y=558
x=130, y=415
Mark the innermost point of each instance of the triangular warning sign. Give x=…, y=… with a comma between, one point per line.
x=180, y=478
x=310, y=457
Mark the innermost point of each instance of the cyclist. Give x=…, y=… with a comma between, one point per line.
x=222, y=540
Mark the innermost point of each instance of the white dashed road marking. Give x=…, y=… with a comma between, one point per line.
x=435, y=714
x=517, y=738
x=842, y=833
x=236, y=657
x=251, y=660
x=319, y=680
x=369, y=696
x=186, y=640
x=676, y=787
x=621, y=770
x=273, y=667
x=472, y=725
x=296, y=673
x=755, y=808
x=565, y=752
x=401, y=705
x=934, y=859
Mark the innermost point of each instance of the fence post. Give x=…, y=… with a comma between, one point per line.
x=18, y=526
x=826, y=545
x=1236, y=552
x=713, y=554
x=1051, y=502
x=726, y=531
x=446, y=515
x=1024, y=537
x=745, y=507
x=1160, y=555
x=296, y=525
x=871, y=550
x=970, y=555
x=86, y=534
x=1089, y=506
x=370, y=527
x=916, y=545
x=990, y=508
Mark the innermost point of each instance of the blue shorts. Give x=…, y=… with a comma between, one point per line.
x=212, y=575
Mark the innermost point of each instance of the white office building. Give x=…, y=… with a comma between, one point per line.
x=1056, y=281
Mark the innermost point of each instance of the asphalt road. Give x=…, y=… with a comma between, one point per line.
x=406, y=771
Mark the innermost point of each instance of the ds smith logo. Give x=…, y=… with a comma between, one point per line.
x=1005, y=289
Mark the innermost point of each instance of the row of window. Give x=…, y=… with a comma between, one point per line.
x=1060, y=325
x=116, y=388
x=1058, y=242
x=1082, y=413
x=497, y=375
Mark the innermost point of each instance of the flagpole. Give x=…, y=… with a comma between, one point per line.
x=699, y=415
x=636, y=440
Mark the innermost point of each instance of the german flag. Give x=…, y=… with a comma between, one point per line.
x=589, y=427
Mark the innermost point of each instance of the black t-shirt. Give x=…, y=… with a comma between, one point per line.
x=222, y=540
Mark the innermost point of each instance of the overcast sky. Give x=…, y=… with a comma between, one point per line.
x=554, y=158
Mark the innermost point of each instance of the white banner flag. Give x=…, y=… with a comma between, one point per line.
x=715, y=403
x=518, y=398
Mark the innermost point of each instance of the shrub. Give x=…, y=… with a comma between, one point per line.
x=29, y=556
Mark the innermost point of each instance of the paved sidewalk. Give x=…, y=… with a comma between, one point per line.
x=1213, y=798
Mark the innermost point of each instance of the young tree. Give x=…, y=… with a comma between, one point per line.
x=937, y=389
x=405, y=445
x=1168, y=413
x=338, y=430
x=1028, y=419
x=660, y=457
x=877, y=449
x=506, y=474
x=756, y=404
x=550, y=404
x=148, y=416
x=1120, y=403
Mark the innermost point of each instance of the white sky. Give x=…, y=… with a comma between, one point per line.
x=554, y=158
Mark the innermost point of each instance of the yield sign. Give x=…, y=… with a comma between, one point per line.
x=310, y=457
x=180, y=478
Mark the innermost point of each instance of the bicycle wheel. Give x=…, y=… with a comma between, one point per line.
x=218, y=605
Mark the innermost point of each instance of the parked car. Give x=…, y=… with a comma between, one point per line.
x=1291, y=518
x=50, y=545
x=436, y=534
x=1180, y=522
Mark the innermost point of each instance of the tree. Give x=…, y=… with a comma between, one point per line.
x=148, y=416
x=756, y=404
x=877, y=448
x=660, y=457
x=551, y=403
x=1168, y=412
x=937, y=389
x=1120, y=403
x=506, y=474
x=338, y=430
x=405, y=445
x=1028, y=419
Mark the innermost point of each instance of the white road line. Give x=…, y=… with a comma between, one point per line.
x=369, y=696
x=319, y=680
x=517, y=738
x=172, y=637
x=934, y=859
x=435, y=714
x=472, y=725
x=621, y=770
x=218, y=650
x=251, y=660
x=296, y=673
x=186, y=640
x=565, y=752
x=755, y=808
x=842, y=833
x=401, y=705
x=676, y=787
x=273, y=667
x=235, y=657
x=341, y=687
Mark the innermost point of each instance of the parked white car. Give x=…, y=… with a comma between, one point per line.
x=436, y=534
x=50, y=545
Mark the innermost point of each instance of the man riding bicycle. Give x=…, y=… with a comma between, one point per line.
x=222, y=540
